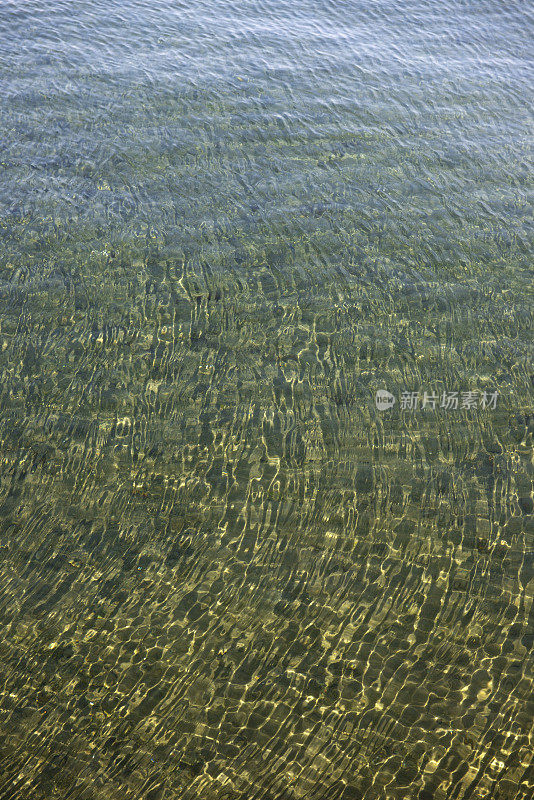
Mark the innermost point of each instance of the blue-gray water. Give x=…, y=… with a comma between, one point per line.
x=225, y=573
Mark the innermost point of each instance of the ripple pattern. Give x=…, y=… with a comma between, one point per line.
x=225, y=574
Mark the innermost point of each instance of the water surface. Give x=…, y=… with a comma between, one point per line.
x=225, y=573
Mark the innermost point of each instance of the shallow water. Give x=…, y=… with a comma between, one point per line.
x=225, y=573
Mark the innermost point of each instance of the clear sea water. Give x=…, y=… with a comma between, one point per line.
x=225, y=572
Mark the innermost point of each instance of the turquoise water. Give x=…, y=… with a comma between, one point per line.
x=227, y=572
